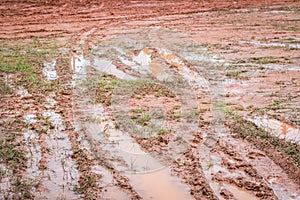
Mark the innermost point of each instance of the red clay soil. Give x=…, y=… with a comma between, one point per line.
x=31, y=18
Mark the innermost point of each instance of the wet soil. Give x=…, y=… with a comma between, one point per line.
x=149, y=100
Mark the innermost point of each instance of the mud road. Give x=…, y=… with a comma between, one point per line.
x=150, y=99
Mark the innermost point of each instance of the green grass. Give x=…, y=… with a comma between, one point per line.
x=233, y=74
x=151, y=88
x=9, y=154
x=289, y=28
x=265, y=60
x=25, y=59
x=104, y=87
x=137, y=110
x=176, y=116
x=277, y=104
x=89, y=182
x=164, y=131
x=144, y=119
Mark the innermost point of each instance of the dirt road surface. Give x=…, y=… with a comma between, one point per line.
x=165, y=99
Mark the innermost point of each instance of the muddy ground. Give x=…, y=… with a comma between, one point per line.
x=150, y=99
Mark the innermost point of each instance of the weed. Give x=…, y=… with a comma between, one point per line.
x=22, y=189
x=25, y=107
x=164, y=131
x=104, y=87
x=233, y=74
x=176, y=116
x=9, y=154
x=156, y=89
x=137, y=110
x=229, y=112
x=290, y=28
x=210, y=165
x=4, y=88
x=265, y=60
x=26, y=61
x=177, y=107
x=144, y=120
x=277, y=104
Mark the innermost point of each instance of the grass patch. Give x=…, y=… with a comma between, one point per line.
x=276, y=105
x=290, y=28
x=233, y=74
x=265, y=60
x=151, y=88
x=144, y=119
x=25, y=59
x=105, y=86
x=9, y=154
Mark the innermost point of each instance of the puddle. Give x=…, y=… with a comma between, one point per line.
x=294, y=46
x=110, y=189
x=30, y=119
x=239, y=194
x=34, y=155
x=55, y=119
x=121, y=145
x=281, y=67
x=274, y=44
x=146, y=174
x=23, y=92
x=159, y=185
x=143, y=58
x=78, y=65
x=182, y=69
x=62, y=174
x=277, y=128
x=212, y=164
x=106, y=66
x=49, y=70
x=157, y=69
x=50, y=101
x=143, y=69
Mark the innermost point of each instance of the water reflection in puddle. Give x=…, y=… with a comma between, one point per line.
x=49, y=70
x=239, y=194
x=159, y=185
x=148, y=176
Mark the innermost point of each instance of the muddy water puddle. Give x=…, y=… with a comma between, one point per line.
x=61, y=174
x=277, y=128
x=239, y=194
x=149, y=177
x=110, y=188
x=274, y=44
x=49, y=70
x=160, y=185
x=34, y=156
x=57, y=174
